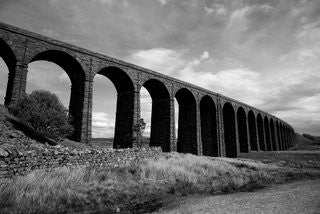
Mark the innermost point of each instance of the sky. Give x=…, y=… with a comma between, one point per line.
x=263, y=53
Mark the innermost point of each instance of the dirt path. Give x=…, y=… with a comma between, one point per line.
x=297, y=197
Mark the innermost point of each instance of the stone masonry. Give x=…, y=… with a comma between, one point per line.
x=209, y=123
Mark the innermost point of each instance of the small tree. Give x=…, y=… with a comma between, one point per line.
x=43, y=111
x=139, y=129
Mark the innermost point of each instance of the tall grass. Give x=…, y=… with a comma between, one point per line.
x=132, y=188
x=187, y=173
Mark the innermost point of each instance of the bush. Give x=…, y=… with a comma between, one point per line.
x=43, y=111
x=308, y=136
x=138, y=131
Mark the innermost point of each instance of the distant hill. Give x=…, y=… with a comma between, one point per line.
x=306, y=143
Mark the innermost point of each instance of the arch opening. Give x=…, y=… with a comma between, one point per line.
x=261, y=134
x=4, y=72
x=229, y=130
x=77, y=78
x=187, y=122
x=267, y=133
x=279, y=136
x=282, y=137
x=208, y=127
x=104, y=99
x=242, y=130
x=273, y=135
x=7, y=72
x=123, y=132
x=145, y=115
x=46, y=75
x=252, y=131
x=286, y=137
x=160, y=114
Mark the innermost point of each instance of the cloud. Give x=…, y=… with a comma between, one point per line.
x=102, y=125
x=265, y=7
x=217, y=9
x=238, y=17
x=146, y=106
x=63, y=77
x=163, y=2
x=205, y=55
x=106, y=1
x=3, y=80
x=303, y=122
x=53, y=34
x=208, y=10
x=241, y=84
x=101, y=120
x=294, y=92
x=166, y=61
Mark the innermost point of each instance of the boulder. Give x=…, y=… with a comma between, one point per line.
x=3, y=153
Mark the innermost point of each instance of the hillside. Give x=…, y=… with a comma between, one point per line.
x=15, y=135
x=19, y=137
x=303, y=143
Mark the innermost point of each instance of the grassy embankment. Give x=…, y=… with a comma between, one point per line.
x=143, y=187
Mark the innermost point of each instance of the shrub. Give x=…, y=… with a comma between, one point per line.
x=138, y=130
x=308, y=136
x=43, y=111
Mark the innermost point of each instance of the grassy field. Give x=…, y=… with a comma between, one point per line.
x=143, y=188
x=293, y=159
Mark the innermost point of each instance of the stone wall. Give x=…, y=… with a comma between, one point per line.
x=13, y=162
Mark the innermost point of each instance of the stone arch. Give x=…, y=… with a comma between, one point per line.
x=293, y=136
x=273, y=135
x=252, y=131
x=160, y=114
x=290, y=138
x=120, y=79
x=123, y=135
x=283, y=137
x=261, y=134
x=77, y=77
x=208, y=126
x=286, y=135
x=279, y=136
x=8, y=56
x=242, y=130
x=267, y=133
x=229, y=130
x=187, y=122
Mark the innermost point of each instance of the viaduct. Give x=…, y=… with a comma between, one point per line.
x=208, y=124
